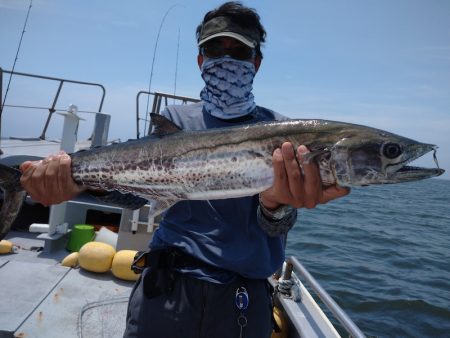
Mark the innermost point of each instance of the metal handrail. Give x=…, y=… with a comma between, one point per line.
x=52, y=109
x=337, y=311
x=156, y=106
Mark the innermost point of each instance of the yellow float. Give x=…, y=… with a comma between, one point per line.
x=71, y=260
x=6, y=246
x=96, y=256
x=121, y=265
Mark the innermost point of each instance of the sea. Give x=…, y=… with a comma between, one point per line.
x=383, y=254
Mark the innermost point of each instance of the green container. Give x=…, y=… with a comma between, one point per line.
x=80, y=235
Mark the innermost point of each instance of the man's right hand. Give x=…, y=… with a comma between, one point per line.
x=49, y=181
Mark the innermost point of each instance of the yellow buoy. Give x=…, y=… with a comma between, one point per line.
x=281, y=323
x=96, y=256
x=121, y=265
x=71, y=260
x=5, y=246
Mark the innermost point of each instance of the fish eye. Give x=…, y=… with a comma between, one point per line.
x=392, y=150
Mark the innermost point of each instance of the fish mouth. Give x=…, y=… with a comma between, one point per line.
x=418, y=172
x=405, y=173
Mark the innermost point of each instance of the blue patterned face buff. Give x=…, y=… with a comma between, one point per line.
x=228, y=87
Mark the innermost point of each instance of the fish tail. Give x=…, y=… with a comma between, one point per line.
x=13, y=196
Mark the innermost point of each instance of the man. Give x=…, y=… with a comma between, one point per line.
x=209, y=260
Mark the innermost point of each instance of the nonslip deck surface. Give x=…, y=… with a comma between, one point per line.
x=45, y=299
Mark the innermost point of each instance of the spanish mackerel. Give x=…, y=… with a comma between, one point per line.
x=173, y=165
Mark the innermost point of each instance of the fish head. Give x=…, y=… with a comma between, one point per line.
x=378, y=157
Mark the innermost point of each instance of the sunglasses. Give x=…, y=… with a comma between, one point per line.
x=239, y=52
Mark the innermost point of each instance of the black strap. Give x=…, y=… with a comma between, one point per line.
x=162, y=265
x=170, y=258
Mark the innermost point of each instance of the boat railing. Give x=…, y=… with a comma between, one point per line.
x=292, y=264
x=53, y=108
x=160, y=101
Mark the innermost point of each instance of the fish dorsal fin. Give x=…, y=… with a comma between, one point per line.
x=162, y=125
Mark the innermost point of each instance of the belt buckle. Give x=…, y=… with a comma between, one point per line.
x=138, y=266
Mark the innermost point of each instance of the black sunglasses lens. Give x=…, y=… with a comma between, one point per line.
x=241, y=53
x=213, y=51
x=238, y=53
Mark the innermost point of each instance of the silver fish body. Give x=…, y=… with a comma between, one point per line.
x=234, y=162
x=220, y=163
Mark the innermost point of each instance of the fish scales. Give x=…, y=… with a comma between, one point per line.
x=208, y=164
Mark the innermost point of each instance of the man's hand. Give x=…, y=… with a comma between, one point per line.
x=293, y=187
x=50, y=181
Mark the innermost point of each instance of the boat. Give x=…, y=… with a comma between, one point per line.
x=46, y=299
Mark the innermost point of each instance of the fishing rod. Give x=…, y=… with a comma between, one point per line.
x=153, y=62
x=176, y=66
x=16, y=58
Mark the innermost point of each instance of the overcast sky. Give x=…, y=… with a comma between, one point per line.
x=380, y=63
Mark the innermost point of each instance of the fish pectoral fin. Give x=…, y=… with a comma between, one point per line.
x=159, y=206
x=121, y=200
x=313, y=155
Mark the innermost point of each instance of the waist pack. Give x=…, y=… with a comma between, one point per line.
x=162, y=266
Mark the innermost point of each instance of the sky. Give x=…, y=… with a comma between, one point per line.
x=383, y=63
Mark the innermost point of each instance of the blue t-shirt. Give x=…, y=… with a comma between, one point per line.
x=222, y=233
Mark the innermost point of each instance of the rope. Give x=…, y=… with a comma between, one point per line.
x=290, y=288
x=88, y=306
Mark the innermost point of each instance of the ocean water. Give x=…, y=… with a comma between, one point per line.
x=383, y=254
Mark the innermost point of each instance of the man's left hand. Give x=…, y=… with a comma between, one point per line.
x=295, y=186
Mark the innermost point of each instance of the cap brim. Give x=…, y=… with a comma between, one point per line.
x=236, y=36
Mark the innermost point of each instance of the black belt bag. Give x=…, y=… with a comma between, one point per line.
x=162, y=265
x=164, y=259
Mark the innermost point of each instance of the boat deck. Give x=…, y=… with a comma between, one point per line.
x=45, y=299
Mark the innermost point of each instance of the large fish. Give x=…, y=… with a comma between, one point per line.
x=174, y=165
